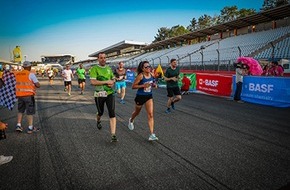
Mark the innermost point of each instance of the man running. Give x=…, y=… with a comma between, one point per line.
x=103, y=78
x=171, y=77
x=81, y=73
x=120, y=74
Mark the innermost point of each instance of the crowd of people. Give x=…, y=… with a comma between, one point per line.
x=107, y=82
x=274, y=69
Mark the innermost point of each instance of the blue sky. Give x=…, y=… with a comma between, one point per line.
x=80, y=28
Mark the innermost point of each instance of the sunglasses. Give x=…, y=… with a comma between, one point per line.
x=149, y=66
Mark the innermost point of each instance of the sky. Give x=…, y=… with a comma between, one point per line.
x=80, y=28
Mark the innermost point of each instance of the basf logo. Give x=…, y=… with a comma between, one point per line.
x=264, y=88
x=206, y=82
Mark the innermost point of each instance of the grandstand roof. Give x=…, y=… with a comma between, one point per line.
x=57, y=55
x=118, y=47
x=260, y=17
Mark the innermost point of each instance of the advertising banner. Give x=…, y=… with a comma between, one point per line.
x=215, y=84
x=130, y=76
x=272, y=91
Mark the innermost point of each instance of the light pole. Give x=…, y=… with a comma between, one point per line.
x=201, y=49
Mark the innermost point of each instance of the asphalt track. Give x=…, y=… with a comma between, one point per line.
x=206, y=143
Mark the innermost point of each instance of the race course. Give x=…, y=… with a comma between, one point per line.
x=206, y=143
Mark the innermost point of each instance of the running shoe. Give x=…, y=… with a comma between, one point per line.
x=168, y=110
x=5, y=159
x=130, y=125
x=153, y=137
x=18, y=128
x=99, y=125
x=122, y=101
x=172, y=106
x=30, y=131
x=114, y=138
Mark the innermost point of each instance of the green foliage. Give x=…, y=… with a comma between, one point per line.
x=227, y=14
x=166, y=33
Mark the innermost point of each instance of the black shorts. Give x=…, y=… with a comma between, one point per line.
x=110, y=102
x=142, y=99
x=173, y=91
x=81, y=81
x=27, y=104
x=66, y=83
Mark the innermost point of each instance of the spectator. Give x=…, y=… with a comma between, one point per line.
x=276, y=69
x=266, y=70
x=240, y=72
x=185, y=85
x=26, y=84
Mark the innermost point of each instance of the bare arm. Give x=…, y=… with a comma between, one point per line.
x=95, y=82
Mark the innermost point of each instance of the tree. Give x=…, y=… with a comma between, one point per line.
x=270, y=4
x=178, y=30
x=192, y=25
x=166, y=33
x=245, y=12
x=204, y=21
x=163, y=34
x=216, y=19
x=229, y=13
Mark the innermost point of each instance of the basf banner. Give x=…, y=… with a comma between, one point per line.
x=220, y=85
x=272, y=91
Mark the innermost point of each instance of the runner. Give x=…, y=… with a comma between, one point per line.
x=102, y=77
x=120, y=74
x=144, y=83
x=81, y=73
x=171, y=78
x=67, y=77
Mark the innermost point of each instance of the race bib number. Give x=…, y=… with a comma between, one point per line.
x=100, y=94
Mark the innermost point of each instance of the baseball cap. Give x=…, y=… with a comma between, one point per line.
x=26, y=64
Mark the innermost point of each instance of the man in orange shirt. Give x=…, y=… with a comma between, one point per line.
x=26, y=84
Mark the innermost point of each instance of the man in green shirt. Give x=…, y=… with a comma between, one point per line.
x=103, y=78
x=81, y=73
x=171, y=77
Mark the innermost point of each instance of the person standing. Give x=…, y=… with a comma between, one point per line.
x=171, y=77
x=144, y=83
x=81, y=73
x=67, y=77
x=276, y=69
x=120, y=74
x=26, y=84
x=103, y=78
x=185, y=85
x=240, y=72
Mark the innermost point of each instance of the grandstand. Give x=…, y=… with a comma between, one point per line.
x=264, y=35
x=58, y=59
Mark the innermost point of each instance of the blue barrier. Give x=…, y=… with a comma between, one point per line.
x=272, y=91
